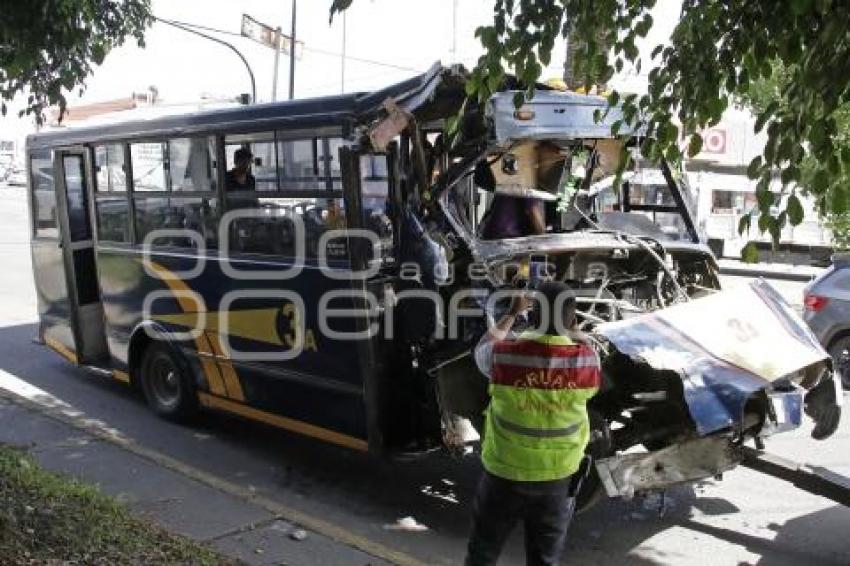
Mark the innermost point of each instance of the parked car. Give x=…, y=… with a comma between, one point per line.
x=826, y=308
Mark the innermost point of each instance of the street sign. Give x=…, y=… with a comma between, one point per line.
x=266, y=35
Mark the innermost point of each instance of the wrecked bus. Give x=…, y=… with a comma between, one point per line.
x=326, y=266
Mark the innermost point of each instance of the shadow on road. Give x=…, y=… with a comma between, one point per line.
x=360, y=492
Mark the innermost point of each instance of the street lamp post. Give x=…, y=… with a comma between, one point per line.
x=222, y=42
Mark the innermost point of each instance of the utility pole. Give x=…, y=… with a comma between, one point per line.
x=454, y=31
x=276, y=62
x=342, y=64
x=292, y=55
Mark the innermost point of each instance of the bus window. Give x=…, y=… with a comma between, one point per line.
x=309, y=164
x=320, y=216
x=374, y=183
x=44, y=195
x=111, y=206
x=273, y=232
x=190, y=164
x=196, y=215
x=75, y=196
x=161, y=170
x=333, y=159
x=261, y=173
x=109, y=169
x=149, y=165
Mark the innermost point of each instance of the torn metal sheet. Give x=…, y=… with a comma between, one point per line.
x=689, y=461
x=725, y=346
x=551, y=114
x=387, y=129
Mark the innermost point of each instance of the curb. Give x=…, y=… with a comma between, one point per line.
x=330, y=530
x=781, y=275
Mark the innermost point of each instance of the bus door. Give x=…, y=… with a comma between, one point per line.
x=371, y=202
x=77, y=244
x=54, y=305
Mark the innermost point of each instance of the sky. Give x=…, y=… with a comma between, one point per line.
x=407, y=36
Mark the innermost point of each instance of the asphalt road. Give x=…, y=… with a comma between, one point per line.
x=744, y=519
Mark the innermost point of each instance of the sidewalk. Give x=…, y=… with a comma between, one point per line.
x=236, y=526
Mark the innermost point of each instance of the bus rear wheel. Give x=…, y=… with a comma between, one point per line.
x=167, y=387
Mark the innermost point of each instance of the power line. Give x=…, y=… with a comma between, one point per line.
x=311, y=49
x=362, y=60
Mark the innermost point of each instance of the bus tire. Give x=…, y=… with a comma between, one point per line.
x=167, y=386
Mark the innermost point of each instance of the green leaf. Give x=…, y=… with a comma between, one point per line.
x=750, y=253
x=774, y=226
x=98, y=52
x=695, y=145
x=765, y=115
x=800, y=7
x=838, y=200
x=753, y=170
x=615, y=127
x=744, y=223
x=764, y=197
x=795, y=210
x=820, y=184
x=789, y=175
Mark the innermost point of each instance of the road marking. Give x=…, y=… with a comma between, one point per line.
x=18, y=391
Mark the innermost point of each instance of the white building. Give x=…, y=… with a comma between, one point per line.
x=724, y=193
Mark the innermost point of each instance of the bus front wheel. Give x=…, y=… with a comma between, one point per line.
x=167, y=387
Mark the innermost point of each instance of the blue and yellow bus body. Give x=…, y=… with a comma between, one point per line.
x=94, y=271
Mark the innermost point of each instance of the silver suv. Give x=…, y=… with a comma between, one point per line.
x=826, y=308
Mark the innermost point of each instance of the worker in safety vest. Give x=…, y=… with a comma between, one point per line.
x=536, y=428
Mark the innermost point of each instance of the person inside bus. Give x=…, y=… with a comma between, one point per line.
x=240, y=177
x=524, y=188
x=508, y=216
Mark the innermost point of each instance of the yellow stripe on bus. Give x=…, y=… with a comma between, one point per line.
x=61, y=349
x=122, y=376
x=283, y=422
x=210, y=365
x=206, y=354
x=228, y=373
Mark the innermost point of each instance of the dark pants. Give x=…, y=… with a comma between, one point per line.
x=544, y=507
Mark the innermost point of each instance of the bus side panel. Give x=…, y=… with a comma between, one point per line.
x=54, y=305
x=121, y=277
x=246, y=323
